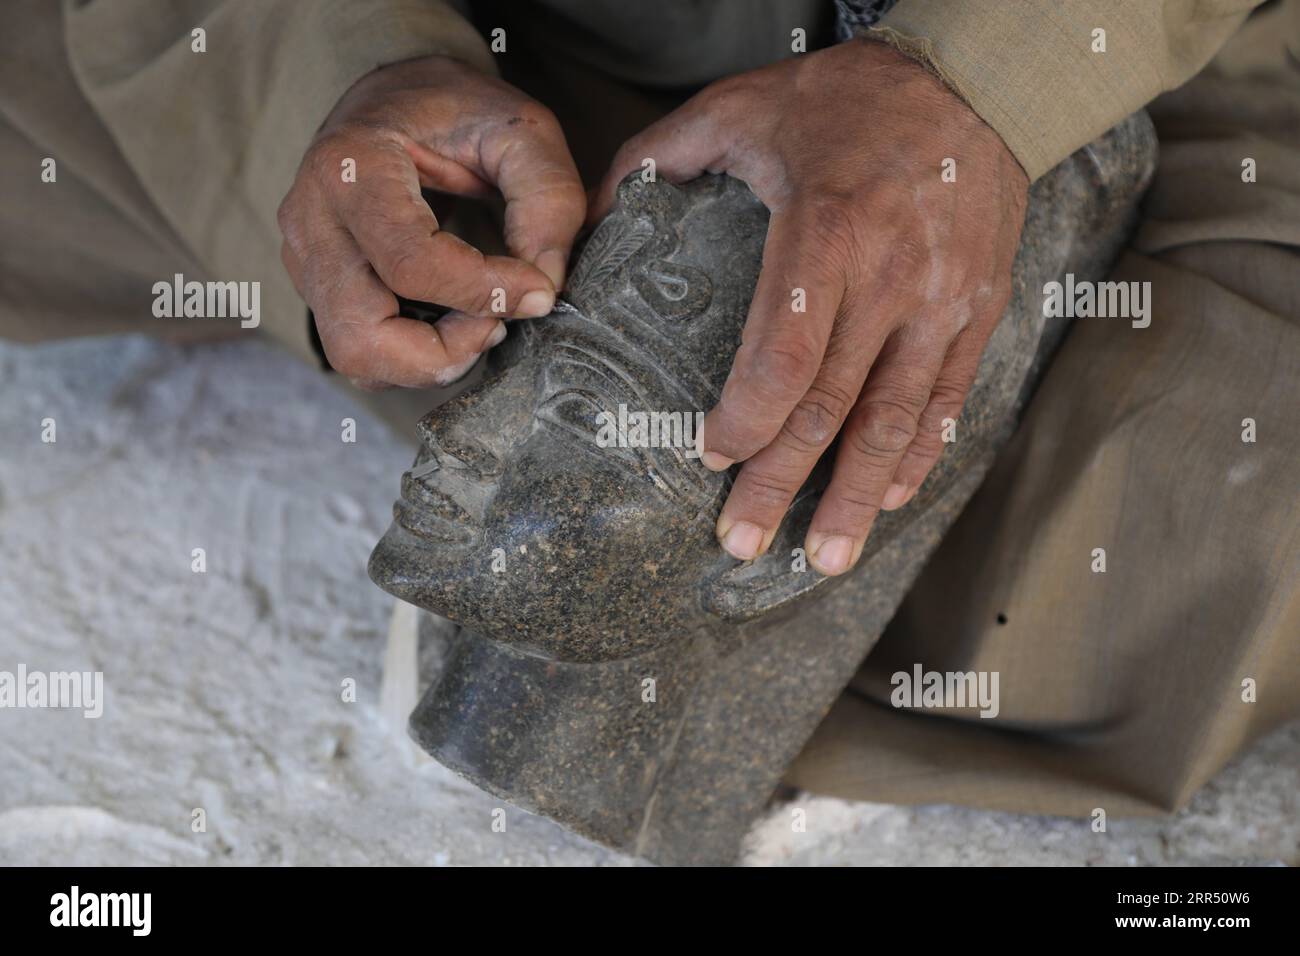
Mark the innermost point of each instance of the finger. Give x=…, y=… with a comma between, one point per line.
x=360, y=329
x=683, y=145
x=769, y=481
x=464, y=342
x=447, y=175
x=946, y=401
x=530, y=163
x=798, y=293
x=464, y=338
x=879, y=430
x=407, y=352
x=400, y=237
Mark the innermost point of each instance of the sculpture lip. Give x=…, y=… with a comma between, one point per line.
x=431, y=513
x=429, y=527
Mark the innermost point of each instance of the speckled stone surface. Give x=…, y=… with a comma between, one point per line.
x=613, y=669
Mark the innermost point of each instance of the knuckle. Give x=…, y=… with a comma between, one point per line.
x=315, y=162
x=408, y=270
x=736, y=433
x=790, y=363
x=886, y=428
x=291, y=218
x=912, y=394
x=946, y=398
x=348, y=355
x=765, y=491
x=327, y=152
x=816, y=419
x=927, y=444
x=856, y=507
x=346, y=359
x=478, y=296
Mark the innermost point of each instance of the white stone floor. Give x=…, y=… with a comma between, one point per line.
x=223, y=688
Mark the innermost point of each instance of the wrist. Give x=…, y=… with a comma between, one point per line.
x=924, y=90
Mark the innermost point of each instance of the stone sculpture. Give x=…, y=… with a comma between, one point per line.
x=613, y=668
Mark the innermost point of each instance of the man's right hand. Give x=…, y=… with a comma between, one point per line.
x=351, y=247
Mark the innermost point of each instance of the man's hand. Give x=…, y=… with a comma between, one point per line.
x=903, y=278
x=350, y=245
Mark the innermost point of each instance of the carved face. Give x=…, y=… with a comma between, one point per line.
x=514, y=520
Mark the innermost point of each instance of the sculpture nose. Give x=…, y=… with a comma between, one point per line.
x=456, y=435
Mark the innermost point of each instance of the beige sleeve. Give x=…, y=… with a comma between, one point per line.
x=1029, y=68
x=215, y=137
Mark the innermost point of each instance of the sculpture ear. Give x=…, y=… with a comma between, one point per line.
x=780, y=576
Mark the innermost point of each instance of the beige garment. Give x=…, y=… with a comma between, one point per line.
x=1124, y=689
x=171, y=160
x=174, y=161
x=1040, y=74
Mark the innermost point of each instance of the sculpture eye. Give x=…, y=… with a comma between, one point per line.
x=583, y=416
x=674, y=290
x=574, y=411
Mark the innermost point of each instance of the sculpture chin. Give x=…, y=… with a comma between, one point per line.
x=399, y=562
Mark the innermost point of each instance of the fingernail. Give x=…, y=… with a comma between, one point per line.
x=896, y=497
x=711, y=459
x=452, y=373
x=833, y=555
x=552, y=262
x=496, y=338
x=743, y=540
x=535, y=304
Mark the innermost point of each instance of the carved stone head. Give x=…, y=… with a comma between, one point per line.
x=614, y=668
x=517, y=520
